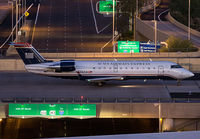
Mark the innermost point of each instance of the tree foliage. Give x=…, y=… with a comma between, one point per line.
x=126, y=36
x=125, y=13
x=178, y=45
x=129, y=6
x=179, y=10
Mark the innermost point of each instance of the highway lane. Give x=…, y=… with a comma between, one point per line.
x=70, y=26
x=172, y=30
x=165, y=26
x=22, y=84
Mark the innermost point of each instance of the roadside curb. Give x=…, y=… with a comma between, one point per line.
x=182, y=26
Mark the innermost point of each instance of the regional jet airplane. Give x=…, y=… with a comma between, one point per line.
x=98, y=71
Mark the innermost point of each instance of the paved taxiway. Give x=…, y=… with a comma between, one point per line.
x=23, y=84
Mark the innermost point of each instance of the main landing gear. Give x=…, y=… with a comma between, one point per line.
x=98, y=83
x=178, y=82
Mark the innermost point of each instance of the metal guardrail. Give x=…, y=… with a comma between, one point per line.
x=100, y=100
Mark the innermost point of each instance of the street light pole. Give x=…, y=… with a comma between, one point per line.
x=25, y=10
x=155, y=25
x=113, y=26
x=160, y=118
x=12, y=21
x=189, y=24
x=22, y=12
x=11, y=2
x=135, y=18
x=137, y=6
x=16, y=21
x=159, y=115
x=19, y=12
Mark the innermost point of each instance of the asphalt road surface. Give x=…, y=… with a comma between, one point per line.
x=72, y=26
x=16, y=85
x=173, y=30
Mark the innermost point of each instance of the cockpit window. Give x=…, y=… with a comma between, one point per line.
x=175, y=66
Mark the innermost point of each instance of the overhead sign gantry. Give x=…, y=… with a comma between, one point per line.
x=52, y=110
x=106, y=6
x=128, y=46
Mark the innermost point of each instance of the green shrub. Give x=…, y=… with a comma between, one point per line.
x=178, y=45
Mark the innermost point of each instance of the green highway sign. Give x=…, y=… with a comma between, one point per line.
x=106, y=6
x=128, y=46
x=42, y=110
x=81, y=110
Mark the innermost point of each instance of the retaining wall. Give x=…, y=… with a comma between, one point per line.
x=149, y=31
x=182, y=26
x=188, y=63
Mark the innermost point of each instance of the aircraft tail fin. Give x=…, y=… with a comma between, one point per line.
x=28, y=53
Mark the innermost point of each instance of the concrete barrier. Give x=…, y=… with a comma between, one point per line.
x=148, y=31
x=191, y=64
x=182, y=26
x=120, y=55
x=11, y=65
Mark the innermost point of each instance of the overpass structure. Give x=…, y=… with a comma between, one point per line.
x=171, y=116
x=176, y=107
x=165, y=28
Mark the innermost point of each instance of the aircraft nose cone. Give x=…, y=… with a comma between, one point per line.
x=190, y=74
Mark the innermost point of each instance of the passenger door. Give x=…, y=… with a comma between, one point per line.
x=115, y=67
x=160, y=70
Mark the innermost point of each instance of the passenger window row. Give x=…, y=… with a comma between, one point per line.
x=123, y=68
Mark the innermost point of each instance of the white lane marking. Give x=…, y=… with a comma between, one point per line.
x=65, y=24
x=80, y=21
x=38, y=9
x=95, y=21
x=106, y=44
x=16, y=25
x=105, y=27
x=37, y=14
x=49, y=23
x=161, y=14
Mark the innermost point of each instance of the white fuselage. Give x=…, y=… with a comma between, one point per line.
x=95, y=69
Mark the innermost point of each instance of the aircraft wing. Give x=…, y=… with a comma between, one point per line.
x=105, y=79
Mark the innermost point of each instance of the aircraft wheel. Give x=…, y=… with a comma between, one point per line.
x=178, y=82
